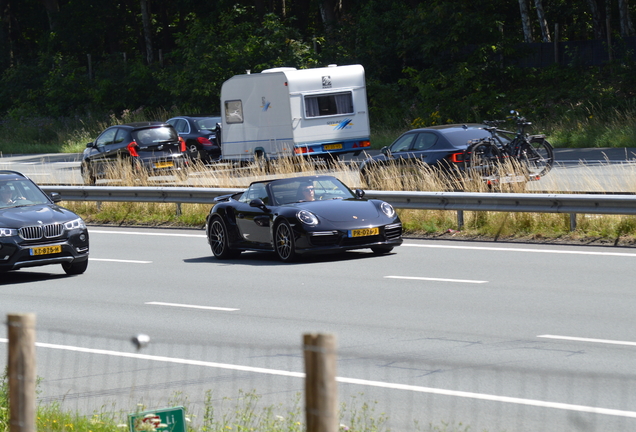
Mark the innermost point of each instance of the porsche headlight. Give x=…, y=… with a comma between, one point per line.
x=75, y=224
x=387, y=209
x=8, y=232
x=308, y=218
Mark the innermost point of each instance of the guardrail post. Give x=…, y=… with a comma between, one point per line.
x=572, y=221
x=21, y=369
x=178, y=209
x=321, y=392
x=460, y=219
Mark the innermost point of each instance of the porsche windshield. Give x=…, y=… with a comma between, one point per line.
x=323, y=188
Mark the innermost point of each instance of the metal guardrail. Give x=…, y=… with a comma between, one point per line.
x=452, y=201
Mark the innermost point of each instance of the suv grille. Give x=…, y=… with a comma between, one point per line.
x=37, y=232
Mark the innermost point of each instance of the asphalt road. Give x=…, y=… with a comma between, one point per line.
x=494, y=336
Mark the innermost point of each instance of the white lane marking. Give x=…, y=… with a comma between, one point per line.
x=91, y=231
x=191, y=306
x=369, y=383
x=504, y=249
x=120, y=261
x=580, y=339
x=435, y=279
x=507, y=249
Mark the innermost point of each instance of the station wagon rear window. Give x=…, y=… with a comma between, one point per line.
x=328, y=104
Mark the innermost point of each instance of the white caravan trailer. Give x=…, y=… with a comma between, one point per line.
x=281, y=112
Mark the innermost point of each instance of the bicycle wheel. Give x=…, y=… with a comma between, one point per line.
x=484, y=159
x=537, y=156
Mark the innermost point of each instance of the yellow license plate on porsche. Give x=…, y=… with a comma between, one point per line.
x=46, y=250
x=332, y=146
x=364, y=232
x=163, y=164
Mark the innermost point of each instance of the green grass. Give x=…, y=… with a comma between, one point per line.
x=243, y=412
x=593, y=127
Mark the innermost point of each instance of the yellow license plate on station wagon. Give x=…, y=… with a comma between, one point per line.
x=332, y=146
x=46, y=250
x=364, y=232
x=163, y=164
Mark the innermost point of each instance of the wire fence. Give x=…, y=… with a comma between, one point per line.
x=260, y=387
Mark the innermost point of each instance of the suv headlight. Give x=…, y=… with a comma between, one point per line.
x=308, y=218
x=8, y=232
x=75, y=224
x=387, y=209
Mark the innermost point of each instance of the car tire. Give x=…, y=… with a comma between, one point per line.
x=218, y=239
x=88, y=175
x=284, y=242
x=75, y=268
x=381, y=250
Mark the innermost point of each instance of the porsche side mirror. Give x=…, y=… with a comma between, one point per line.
x=359, y=193
x=257, y=202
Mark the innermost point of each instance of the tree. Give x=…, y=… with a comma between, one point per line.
x=626, y=25
x=597, y=20
x=52, y=10
x=145, y=19
x=525, y=20
x=545, y=32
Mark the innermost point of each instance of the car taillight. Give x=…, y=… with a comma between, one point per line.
x=457, y=157
x=182, y=145
x=132, y=149
x=204, y=141
x=303, y=150
x=362, y=144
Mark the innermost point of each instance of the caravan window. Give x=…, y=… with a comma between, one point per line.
x=234, y=111
x=328, y=104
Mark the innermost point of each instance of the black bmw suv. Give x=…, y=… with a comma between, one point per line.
x=35, y=231
x=151, y=148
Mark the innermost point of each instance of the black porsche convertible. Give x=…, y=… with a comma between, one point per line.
x=292, y=216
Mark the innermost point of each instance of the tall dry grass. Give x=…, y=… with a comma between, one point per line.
x=487, y=225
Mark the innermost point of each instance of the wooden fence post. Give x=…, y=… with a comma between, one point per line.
x=22, y=375
x=321, y=392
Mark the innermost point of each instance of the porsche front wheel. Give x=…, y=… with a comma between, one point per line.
x=381, y=250
x=284, y=243
x=218, y=239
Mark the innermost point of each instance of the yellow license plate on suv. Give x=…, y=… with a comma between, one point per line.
x=163, y=164
x=363, y=232
x=46, y=250
x=332, y=146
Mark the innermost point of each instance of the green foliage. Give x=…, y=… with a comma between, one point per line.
x=426, y=63
x=211, y=52
x=4, y=401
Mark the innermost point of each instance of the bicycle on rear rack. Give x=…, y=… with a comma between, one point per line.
x=509, y=157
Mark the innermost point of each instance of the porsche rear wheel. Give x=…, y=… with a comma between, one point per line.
x=284, y=243
x=218, y=239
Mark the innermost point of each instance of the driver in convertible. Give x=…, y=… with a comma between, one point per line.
x=306, y=192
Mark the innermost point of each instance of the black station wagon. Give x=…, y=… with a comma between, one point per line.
x=151, y=148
